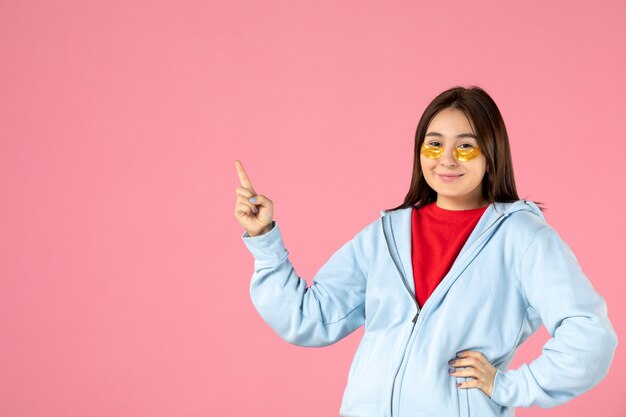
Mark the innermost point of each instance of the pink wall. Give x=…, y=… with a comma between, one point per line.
x=123, y=279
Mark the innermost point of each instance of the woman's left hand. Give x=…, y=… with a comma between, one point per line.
x=478, y=368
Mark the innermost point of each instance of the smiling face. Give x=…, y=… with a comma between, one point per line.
x=457, y=182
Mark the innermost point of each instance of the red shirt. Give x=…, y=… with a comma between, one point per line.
x=437, y=237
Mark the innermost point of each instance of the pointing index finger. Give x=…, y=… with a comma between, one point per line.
x=243, y=177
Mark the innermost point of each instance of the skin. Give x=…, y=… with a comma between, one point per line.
x=255, y=217
x=482, y=372
x=466, y=192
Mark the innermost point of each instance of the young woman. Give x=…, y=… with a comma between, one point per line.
x=448, y=285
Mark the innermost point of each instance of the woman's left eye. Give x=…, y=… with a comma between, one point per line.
x=470, y=146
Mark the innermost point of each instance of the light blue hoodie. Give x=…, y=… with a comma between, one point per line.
x=513, y=274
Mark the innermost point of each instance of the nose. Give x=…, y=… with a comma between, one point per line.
x=447, y=158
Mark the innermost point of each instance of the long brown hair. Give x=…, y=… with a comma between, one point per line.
x=498, y=183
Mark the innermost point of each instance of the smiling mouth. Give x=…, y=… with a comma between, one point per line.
x=448, y=178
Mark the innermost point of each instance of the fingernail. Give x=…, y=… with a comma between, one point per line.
x=451, y=370
x=252, y=199
x=255, y=210
x=451, y=361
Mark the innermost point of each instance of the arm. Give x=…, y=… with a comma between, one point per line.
x=330, y=309
x=583, y=341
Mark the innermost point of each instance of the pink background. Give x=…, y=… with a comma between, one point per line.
x=124, y=283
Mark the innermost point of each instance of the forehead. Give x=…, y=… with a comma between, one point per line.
x=450, y=123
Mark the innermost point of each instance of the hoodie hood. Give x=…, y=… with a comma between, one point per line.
x=397, y=225
x=496, y=207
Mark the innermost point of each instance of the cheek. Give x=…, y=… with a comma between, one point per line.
x=479, y=169
x=483, y=164
x=427, y=171
x=478, y=164
x=426, y=163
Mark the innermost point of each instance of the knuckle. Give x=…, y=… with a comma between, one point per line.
x=243, y=190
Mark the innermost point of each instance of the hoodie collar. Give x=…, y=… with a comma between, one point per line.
x=398, y=223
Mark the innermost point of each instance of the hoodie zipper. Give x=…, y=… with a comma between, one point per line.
x=414, y=320
x=404, y=281
x=406, y=285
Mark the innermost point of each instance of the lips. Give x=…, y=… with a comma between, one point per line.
x=449, y=177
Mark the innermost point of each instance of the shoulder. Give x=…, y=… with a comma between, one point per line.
x=524, y=222
x=370, y=230
x=527, y=220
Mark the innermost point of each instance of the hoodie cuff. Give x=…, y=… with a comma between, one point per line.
x=267, y=249
x=507, y=390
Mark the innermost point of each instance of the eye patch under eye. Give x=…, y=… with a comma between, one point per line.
x=463, y=155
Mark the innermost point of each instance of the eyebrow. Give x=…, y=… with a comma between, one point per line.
x=462, y=135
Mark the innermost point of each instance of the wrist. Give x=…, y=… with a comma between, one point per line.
x=265, y=230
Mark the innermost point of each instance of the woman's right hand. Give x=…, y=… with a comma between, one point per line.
x=255, y=217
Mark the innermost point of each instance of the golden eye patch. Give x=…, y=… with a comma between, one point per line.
x=463, y=155
x=432, y=152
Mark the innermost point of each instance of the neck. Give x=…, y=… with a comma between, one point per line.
x=448, y=204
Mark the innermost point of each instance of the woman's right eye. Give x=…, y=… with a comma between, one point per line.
x=434, y=143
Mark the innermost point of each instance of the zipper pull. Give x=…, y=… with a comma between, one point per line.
x=415, y=318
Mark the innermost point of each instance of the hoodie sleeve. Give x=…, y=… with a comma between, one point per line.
x=319, y=315
x=583, y=341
